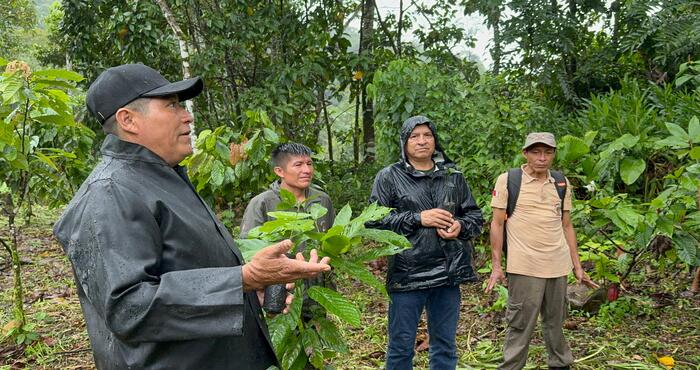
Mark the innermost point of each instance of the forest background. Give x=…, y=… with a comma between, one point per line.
x=617, y=82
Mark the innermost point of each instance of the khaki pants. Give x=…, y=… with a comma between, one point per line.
x=527, y=297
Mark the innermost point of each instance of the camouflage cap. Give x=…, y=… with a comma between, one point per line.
x=546, y=138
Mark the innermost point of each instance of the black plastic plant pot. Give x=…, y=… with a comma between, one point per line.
x=275, y=298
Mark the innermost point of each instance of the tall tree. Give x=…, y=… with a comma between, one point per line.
x=491, y=10
x=366, y=55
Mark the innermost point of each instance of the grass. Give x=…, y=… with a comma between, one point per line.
x=652, y=321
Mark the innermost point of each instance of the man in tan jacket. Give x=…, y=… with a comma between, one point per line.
x=541, y=252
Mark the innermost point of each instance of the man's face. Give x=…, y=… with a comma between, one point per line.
x=297, y=172
x=165, y=129
x=421, y=144
x=539, y=157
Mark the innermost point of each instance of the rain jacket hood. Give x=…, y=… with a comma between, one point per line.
x=409, y=124
x=432, y=261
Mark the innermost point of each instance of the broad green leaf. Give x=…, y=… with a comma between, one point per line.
x=330, y=335
x=335, y=245
x=665, y=226
x=59, y=74
x=629, y=215
x=625, y=141
x=217, y=174
x=374, y=253
x=694, y=129
x=270, y=135
x=3, y=62
x=288, y=201
x=408, y=107
x=249, y=247
x=601, y=203
x=589, y=137
x=46, y=83
x=686, y=247
x=292, y=352
x=289, y=225
x=46, y=160
x=210, y=143
x=373, y=212
x=695, y=153
x=572, y=148
x=677, y=131
x=588, y=165
x=336, y=304
x=10, y=89
x=386, y=237
x=358, y=272
x=683, y=79
x=312, y=347
x=286, y=215
x=343, y=217
x=631, y=169
x=317, y=211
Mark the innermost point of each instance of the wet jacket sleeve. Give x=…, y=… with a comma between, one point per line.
x=254, y=215
x=384, y=192
x=470, y=216
x=115, y=246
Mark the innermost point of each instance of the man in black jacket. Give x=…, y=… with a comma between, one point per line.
x=435, y=210
x=160, y=281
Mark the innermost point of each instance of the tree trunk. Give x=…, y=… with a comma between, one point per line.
x=400, y=26
x=497, y=51
x=356, y=127
x=184, y=55
x=366, y=49
x=329, y=133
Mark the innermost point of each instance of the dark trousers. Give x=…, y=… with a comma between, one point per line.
x=442, y=307
x=529, y=297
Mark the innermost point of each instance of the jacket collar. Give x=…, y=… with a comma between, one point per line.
x=117, y=148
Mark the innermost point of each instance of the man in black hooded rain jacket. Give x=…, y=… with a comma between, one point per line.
x=435, y=210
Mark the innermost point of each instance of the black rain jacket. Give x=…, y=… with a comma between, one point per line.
x=433, y=261
x=158, y=276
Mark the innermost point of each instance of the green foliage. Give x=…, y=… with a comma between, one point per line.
x=350, y=245
x=625, y=308
x=44, y=153
x=501, y=302
x=17, y=16
x=664, y=32
x=217, y=173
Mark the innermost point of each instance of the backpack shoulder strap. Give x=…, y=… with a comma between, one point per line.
x=560, y=184
x=515, y=176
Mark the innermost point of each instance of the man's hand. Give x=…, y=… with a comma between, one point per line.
x=436, y=217
x=272, y=266
x=497, y=276
x=582, y=277
x=452, y=232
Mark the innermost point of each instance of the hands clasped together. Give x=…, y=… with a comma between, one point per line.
x=272, y=266
x=447, y=227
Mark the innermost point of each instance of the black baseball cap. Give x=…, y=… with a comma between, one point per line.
x=120, y=85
